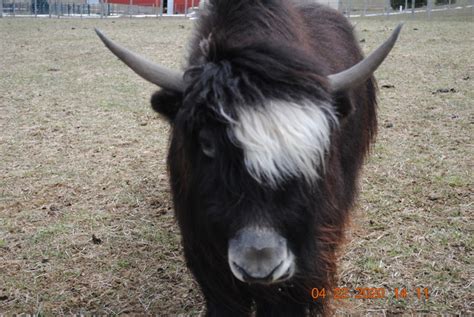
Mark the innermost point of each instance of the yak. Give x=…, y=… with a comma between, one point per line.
x=271, y=120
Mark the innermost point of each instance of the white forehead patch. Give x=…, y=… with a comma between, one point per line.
x=284, y=139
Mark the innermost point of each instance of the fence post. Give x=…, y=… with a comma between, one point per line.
x=413, y=7
x=36, y=8
x=185, y=8
x=130, y=8
x=406, y=5
x=161, y=8
x=1, y=8
x=13, y=10
x=430, y=3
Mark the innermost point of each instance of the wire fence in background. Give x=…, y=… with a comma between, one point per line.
x=407, y=8
x=94, y=8
x=190, y=8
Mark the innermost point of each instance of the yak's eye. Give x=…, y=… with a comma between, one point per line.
x=207, y=143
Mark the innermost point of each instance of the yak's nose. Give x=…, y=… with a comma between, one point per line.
x=259, y=255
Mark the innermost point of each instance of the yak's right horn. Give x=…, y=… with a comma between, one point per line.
x=154, y=73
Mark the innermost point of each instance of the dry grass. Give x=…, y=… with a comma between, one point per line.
x=82, y=155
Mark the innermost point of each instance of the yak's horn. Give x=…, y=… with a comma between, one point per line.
x=360, y=72
x=154, y=73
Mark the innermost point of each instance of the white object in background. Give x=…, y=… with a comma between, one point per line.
x=170, y=10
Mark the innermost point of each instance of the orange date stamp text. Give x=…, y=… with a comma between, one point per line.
x=341, y=293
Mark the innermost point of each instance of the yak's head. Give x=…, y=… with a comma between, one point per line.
x=250, y=139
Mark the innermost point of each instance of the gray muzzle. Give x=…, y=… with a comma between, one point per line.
x=260, y=255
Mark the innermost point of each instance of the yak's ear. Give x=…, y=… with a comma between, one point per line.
x=167, y=103
x=344, y=106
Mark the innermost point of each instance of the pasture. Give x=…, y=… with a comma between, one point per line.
x=86, y=222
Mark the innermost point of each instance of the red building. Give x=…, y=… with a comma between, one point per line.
x=179, y=5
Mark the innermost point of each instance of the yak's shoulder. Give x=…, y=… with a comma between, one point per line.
x=320, y=16
x=331, y=35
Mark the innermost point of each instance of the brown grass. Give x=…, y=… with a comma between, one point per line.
x=83, y=155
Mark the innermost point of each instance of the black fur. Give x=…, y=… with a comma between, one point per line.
x=243, y=53
x=167, y=103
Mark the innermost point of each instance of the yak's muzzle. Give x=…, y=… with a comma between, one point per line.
x=260, y=255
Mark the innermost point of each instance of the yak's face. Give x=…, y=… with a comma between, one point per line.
x=246, y=168
x=252, y=126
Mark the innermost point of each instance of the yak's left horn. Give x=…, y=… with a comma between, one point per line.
x=154, y=73
x=360, y=72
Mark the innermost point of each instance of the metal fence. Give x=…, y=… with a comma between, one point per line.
x=406, y=8
x=104, y=9
x=100, y=8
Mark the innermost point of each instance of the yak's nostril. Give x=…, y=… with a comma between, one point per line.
x=250, y=278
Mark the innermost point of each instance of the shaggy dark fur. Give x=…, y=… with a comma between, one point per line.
x=243, y=53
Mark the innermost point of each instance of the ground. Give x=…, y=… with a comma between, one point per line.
x=86, y=222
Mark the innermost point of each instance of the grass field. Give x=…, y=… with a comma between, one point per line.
x=86, y=223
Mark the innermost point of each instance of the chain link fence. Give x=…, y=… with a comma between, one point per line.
x=190, y=8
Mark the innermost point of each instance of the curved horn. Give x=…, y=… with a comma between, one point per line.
x=154, y=73
x=364, y=69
